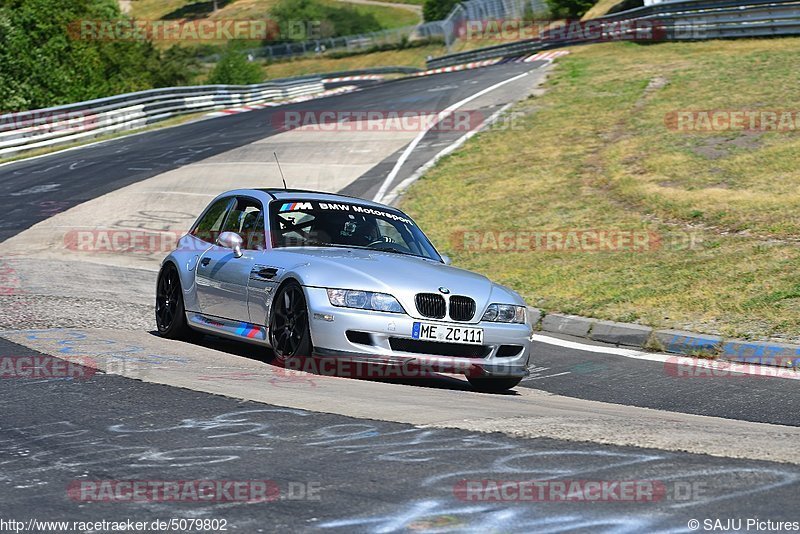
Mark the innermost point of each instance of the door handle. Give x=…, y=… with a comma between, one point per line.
x=204, y=262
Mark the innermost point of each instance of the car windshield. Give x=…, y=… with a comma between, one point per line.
x=313, y=223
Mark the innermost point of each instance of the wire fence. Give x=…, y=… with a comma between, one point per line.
x=450, y=30
x=674, y=21
x=455, y=24
x=350, y=43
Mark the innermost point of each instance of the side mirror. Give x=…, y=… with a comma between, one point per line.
x=231, y=240
x=445, y=259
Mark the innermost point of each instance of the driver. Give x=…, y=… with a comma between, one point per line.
x=370, y=232
x=357, y=230
x=367, y=232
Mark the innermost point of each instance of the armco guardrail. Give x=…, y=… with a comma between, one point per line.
x=690, y=20
x=29, y=130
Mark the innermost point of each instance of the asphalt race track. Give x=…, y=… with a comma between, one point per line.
x=368, y=476
x=32, y=190
x=623, y=380
x=343, y=454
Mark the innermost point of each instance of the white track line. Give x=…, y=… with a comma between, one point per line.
x=397, y=190
x=630, y=353
x=392, y=195
x=441, y=115
x=699, y=367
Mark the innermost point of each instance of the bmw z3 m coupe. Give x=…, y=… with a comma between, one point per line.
x=318, y=275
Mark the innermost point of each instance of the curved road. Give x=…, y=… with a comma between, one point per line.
x=380, y=455
x=33, y=190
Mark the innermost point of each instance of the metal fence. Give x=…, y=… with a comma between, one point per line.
x=448, y=29
x=693, y=19
x=477, y=10
x=350, y=43
x=42, y=128
x=674, y=21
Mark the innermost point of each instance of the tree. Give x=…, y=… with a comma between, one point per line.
x=234, y=68
x=437, y=9
x=569, y=9
x=337, y=20
x=45, y=61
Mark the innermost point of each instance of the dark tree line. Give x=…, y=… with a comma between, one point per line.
x=43, y=62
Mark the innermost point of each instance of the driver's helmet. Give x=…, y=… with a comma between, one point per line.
x=350, y=229
x=367, y=231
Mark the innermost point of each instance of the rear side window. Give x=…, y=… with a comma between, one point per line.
x=247, y=219
x=209, y=226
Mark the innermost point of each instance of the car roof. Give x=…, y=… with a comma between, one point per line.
x=304, y=194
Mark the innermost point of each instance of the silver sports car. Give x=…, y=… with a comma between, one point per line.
x=329, y=277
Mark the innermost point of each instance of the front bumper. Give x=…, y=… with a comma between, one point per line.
x=371, y=336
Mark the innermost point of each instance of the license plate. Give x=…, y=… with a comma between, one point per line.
x=447, y=334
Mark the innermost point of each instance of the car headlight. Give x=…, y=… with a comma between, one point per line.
x=504, y=313
x=364, y=300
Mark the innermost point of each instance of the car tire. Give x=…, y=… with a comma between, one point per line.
x=289, y=324
x=170, y=311
x=494, y=384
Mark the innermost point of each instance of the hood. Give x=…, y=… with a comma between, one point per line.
x=400, y=275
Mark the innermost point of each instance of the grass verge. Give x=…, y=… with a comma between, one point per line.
x=412, y=2
x=602, y=7
x=596, y=153
x=388, y=16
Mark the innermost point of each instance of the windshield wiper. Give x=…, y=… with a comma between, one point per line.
x=396, y=251
x=335, y=245
x=360, y=247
